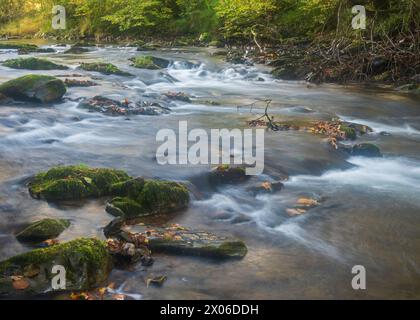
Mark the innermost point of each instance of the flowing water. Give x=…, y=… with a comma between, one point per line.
x=370, y=213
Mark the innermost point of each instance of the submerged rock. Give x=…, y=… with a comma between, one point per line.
x=116, y=108
x=33, y=64
x=38, y=88
x=79, y=83
x=74, y=182
x=366, y=150
x=86, y=261
x=105, y=68
x=43, y=230
x=141, y=197
x=225, y=174
x=150, y=62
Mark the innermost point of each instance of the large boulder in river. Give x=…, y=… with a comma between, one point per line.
x=87, y=265
x=105, y=68
x=150, y=62
x=141, y=197
x=225, y=174
x=33, y=87
x=43, y=230
x=33, y=64
x=125, y=108
x=74, y=182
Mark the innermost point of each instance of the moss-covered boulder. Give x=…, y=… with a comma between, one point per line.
x=225, y=174
x=74, y=182
x=11, y=45
x=76, y=50
x=33, y=87
x=105, y=68
x=145, y=197
x=149, y=62
x=33, y=64
x=43, y=230
x=366, y=150
x=86, y=261
x=24, y=51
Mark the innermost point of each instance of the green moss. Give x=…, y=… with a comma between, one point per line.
x=163, y=196
x=76, y=50
x=105, y=68
x=349, y=133
x=43, y=230
x=33, y=64
x=139, y=197
x=131, y=188
x=124, y=206
x=145, y=62
x=11, y=45
x=34, y=87
x=86, y=261
x=74, y=182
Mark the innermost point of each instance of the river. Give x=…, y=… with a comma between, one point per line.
x=370, y=213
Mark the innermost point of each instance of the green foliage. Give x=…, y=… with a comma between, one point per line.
x=33, y=64
x=233, y=20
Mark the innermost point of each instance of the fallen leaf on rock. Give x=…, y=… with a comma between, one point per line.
x=20, y=283
x=157, y=281
x=295, y=212
x=50, y=242
x=31, y=271
x=307, y=202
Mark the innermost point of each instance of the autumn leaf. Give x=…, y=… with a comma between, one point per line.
x=20, y=283
x=307, y=202
x=118, y=297
x=158, y=281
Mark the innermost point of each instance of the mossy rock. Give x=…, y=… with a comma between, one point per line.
x=349, y=133
x=74, y=183
x=76, y=50
x=366, y=150
x=18, y=46
x=33, y=87
x=43, y=230
x=139, y=198
x=23, y=51
x=86, y=261
x=149, y=62
x=105, y=68
x=33, y=64
x=182, y=241
x=225, y=174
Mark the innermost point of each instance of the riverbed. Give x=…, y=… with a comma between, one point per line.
x=370, y=209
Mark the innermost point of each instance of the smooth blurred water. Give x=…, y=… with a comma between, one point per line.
x=369, y=214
